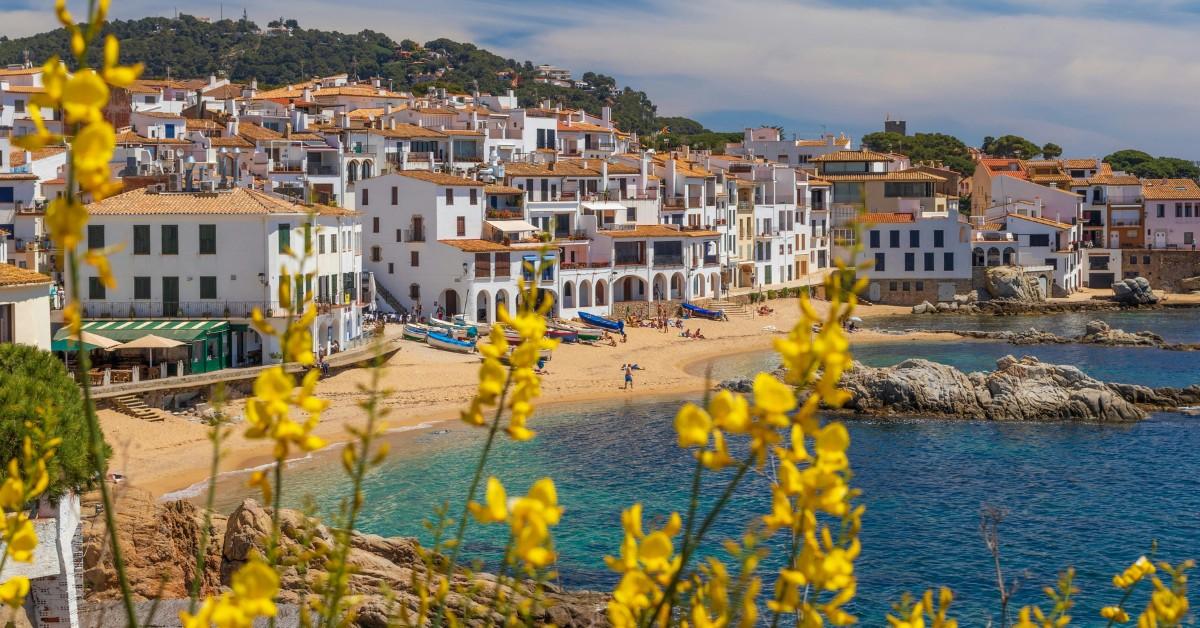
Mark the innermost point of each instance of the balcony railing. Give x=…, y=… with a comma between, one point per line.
x=322, y=169
x=630, y=260
x=745, y=205
x=583, y=265
x=179, y=309
x=414, y=234
x=362, y=149
x=668, y=260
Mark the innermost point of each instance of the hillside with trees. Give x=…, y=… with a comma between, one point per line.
x=287, y=53
x=937, y=147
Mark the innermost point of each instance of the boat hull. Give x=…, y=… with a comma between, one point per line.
x=446, y=343
x=696, y=310
x=415, y=332
x=600, y=322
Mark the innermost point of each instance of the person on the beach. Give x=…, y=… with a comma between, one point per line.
x=628, y=378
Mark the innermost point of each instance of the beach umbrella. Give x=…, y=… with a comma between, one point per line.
x=151, y=342
x=855, y=319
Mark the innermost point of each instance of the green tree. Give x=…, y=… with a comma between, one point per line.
x=925, y=147
x=1014, y=147
x=35, y=387
x=1050, y=150
x=1143, y=164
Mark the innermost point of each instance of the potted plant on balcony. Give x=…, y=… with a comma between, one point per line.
x=132, y=311
x=228, y=312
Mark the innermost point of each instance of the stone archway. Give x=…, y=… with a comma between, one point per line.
x=993, y=256
x=601, y=292
x=483, y=307
x=1010, y=256
x=568, y=295
x=585, y=293
x=450, y=302
x=629, y=288
x=660, y=287
x=978, y=258
x=678, y=283
x=502, y=302
x=715, y=281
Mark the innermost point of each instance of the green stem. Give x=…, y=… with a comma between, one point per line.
x=338, y=590
x=689, y=548
x=794, y=551
x=206, y=531
x=462, y=520
x=693, y=500
x=99, y=463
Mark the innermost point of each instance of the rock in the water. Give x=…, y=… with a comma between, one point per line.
x=1191, y=284
x=1018, y=390
x=1134, y=291
x=1012, y=284
x=924, y=307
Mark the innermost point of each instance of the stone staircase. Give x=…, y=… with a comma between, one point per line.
x=135, y=407
x=391, y=301
x=732, y=309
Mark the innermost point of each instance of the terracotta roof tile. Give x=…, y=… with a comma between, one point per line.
x=1079, y=164
x=1170, y=189
x=902, y=175
x=659, y=231
x=237, y=201
x=476, y=246
x=439, y=178
x=502, y=189
x=1041, y=221
x=159, y=114
x=255, y=133
x=886, y=218
x=405, y=131
x=17, y=176
x=12, y=276
x=853, y=155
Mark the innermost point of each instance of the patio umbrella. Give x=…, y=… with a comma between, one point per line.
x=151, y=342
x=89, y=340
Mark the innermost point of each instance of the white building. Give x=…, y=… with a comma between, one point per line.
x=1042, y=247
x=24, y=306
x=217, y=256
x=919, y=256
x=769, y=143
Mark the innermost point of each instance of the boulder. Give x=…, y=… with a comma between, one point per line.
x=1133, y=291
x=1191, y=284
x=1017, y=390
x=924, y=307
x=1010, y=283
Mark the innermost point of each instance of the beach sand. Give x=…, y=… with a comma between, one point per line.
x=426, y=385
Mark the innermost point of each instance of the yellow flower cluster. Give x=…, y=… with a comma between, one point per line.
x=1061, y=595
x=25, y=481
x=252, y=594
x=530, y=325
x=647, y=563
x=529, y=518
x=268, y=412
x=924, y=612
x=1134, y=573
x=1168, y=605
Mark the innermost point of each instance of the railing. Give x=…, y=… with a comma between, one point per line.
x=414, y=234
x=362, y=149
x=320, y=169
x=711, y=260
x=281, y=167
x=583, y=265
x=623, y=260
x=673, y=203
x=745, y=205
x=668, y=260
x=1126, y=222
x=504, y=214
x=178, y=309
x=693, y=202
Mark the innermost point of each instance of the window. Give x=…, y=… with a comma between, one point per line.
x=907, y=190
x=1146, y=260
x=6, y=194
x=320, y=244
x=95, y=288
x=449, y=196
x=375, y=224
x=1179, y=210
x=364, y=197
x=947, y=261
x=1052, y=262
x=914, y=239
x=395, y=195
x=1189, y=237
x=141, y=239
x=95, y=236
x=399, y=235
x=929, y=261
x=208, y=287
x=414, y=292
x=333, y=243
x=920, y=286
x=894, y=239
x=141, y=288
x=376, y=254
x=414, y=259
x=1162, y=210
x=879, y=263
x=391, y=268
x=1133, y=259
x=910, y=261
x=907, y=287
x=1039, y=239
x=939, y=239
x=847, y=192
x=474, y=196
x=893, y=286
x=461, y=226
x=170, y=239
x=874, y=239
x=285, y=237
x=19, y=105
x=208, y=239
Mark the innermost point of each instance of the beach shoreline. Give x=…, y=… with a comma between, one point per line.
x=426, y=387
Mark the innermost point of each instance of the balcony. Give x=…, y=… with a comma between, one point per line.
x=745, y=205
x=583, y=265
x=179, y=309
x=668, y=260
x=322, y=170
x=414, y=234
x=1125, y=222
x=296, y=167
x=361, y=149
x=505, y=214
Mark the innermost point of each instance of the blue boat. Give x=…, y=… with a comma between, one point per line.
x=445, y=342
x=696, y=310
x=603, y=323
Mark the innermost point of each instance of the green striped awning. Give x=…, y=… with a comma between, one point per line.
x=126, y=330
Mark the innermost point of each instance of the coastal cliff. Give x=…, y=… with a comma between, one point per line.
x=159, y=542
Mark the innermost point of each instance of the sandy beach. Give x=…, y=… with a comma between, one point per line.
x=426, y=385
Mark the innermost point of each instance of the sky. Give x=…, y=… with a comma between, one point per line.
x=1093, y=76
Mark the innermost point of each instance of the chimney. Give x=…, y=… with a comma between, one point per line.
x=375, y=82
x=392, y=123
x=603, y=187
x=606, y=115
x=1099, y=164
x=511, y=94
x=387, y=109
x=212, y=79
x=287, y=129
x=230, y=107
x=253, y=86
x=306, y=95
x=231, y=126
x=344, y=120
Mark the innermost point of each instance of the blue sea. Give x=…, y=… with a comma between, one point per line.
x=1089, y=496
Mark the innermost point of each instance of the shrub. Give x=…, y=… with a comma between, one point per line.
x=35, y=387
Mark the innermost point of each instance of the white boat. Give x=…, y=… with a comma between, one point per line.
x=481, y=328
x=459, y=332
x=416, y=331
x=446, y=343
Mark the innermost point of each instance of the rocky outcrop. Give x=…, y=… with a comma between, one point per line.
x=1191, y=284
x=1134, y=291
x=379, y=564
x=1010, y=283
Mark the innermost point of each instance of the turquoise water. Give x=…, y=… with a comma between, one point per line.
x=1084, y=495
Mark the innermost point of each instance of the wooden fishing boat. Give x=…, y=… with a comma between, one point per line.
x=600, y=322
x=459, y=332
x=415, y=331
x=696, y=310
x=446, y=343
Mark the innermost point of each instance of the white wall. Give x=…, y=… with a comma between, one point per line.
x=31, y=313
